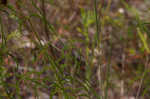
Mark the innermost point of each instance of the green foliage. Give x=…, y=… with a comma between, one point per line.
x=75, y=49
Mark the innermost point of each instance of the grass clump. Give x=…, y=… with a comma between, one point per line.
x=73, y=49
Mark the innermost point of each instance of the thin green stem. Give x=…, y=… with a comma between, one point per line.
x=97, y=23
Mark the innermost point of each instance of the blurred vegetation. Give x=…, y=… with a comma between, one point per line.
x=74, y=49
